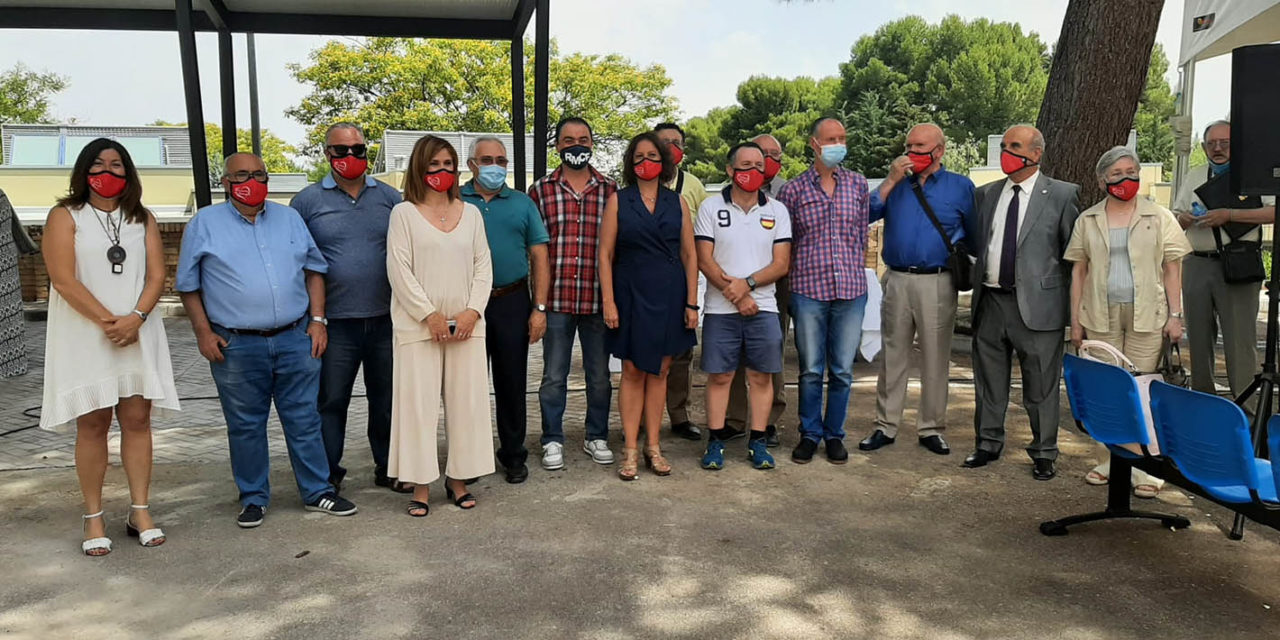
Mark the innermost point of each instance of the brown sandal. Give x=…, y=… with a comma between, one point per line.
x=656, y=462
x=629, y=469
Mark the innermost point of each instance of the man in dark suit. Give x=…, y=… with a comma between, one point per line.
x=1021, y=297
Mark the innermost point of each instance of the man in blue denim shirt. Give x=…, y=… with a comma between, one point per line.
x=347, y=213
x=919, y=302
x=252, y=282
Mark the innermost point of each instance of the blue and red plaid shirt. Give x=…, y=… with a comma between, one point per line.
x=573, y=222
x=830, y=235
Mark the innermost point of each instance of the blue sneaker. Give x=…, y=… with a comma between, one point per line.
x=758, y=452
x=714, y=457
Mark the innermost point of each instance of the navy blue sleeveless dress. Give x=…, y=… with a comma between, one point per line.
x=649, y=283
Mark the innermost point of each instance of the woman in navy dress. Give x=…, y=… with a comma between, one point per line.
x=649, y=282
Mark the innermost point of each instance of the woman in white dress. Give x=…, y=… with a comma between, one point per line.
x=104, y=352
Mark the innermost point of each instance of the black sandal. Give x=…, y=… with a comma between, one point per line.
x=460, y=501
x=415, y=505
x=394, y=485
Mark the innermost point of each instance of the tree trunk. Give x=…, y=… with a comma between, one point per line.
x=1098, y=73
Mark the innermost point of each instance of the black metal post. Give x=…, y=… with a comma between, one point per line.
x=195, y=109
x=255, y=125
x=541, y=90
x=517, y=110
x=227, y=90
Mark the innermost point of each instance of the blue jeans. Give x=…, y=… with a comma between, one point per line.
x=354, y=342
x=256, y=370
x=827, y=337
x=557, y=351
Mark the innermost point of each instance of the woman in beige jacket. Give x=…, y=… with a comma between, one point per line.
x=438, y=264
x=1126, y=285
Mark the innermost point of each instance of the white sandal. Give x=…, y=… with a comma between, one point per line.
x=93, y=545
x=150, y=537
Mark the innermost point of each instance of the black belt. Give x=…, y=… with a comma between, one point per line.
x=1212, y=255
x=518, y=285
x=266, y=333
x=920, y=270
x=1009, y=291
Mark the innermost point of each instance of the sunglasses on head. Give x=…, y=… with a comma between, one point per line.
x=344, y=150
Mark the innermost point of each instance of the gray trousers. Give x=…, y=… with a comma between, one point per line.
x=736, y=417
x=916, y=308
x=1000, y=333
x=1212, y=304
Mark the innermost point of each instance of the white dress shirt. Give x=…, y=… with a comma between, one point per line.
x=995, y=243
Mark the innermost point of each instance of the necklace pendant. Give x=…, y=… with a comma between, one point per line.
x=117, y=269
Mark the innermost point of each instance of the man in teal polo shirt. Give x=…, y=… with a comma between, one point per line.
x=517, y=239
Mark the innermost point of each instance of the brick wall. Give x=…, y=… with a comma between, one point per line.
x=35, y=280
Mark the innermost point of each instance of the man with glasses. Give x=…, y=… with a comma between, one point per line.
x=347, y=213
x=1209, y=301
x=517, y=240
x=692, y=190
x=252, y=281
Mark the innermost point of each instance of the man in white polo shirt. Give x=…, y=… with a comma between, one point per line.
x=744, y=247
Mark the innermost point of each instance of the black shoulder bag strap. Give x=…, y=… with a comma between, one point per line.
x=957, y=262
x=679, y=182
x=928, y=210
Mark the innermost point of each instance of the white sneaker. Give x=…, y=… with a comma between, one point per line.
x=599, y=451
x=552, y=456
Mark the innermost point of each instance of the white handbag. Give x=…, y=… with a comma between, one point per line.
x=1099, y=351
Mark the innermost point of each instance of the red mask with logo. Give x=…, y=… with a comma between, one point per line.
x=107, y=184
x=648, y=169
x=440, y=180
x=749, y=179
x=677, y=154
x=349, y=167
x=1011, y=162
x=1124, y=188
x=771, y=167
x=920, y=161
x=250, y=192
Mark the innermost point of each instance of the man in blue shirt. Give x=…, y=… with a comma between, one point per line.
x=919, y=302
x=347, y=214
x=517, y=239
x=252, y=282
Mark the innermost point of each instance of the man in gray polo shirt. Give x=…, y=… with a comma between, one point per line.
x=348, y=213
x=744, y=247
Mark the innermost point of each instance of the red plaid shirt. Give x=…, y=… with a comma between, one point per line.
x=573, y=222
x=830, y=235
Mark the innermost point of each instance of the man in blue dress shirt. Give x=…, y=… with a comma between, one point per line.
x=919, y=297
x=252, y=282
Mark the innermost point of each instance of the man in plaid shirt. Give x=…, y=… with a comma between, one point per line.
x=571, y=200
x=829, y=207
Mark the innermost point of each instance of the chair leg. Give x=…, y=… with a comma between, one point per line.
x=1117, y=505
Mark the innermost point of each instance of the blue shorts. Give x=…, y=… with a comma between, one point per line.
x=732, y=338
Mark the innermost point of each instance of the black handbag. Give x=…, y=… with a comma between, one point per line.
x=1241, y=260
x=958, y=261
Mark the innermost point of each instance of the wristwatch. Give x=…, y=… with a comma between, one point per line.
x=321, y=319
x=751, y=282
x=141, y=314
x=1176, y=314
x=540, y=307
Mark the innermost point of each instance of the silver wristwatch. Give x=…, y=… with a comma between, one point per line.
x=141, y=314
x=1176, y=314
x=321, y=319
x=540, y=307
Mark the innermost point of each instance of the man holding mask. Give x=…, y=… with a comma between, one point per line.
x=517, y=240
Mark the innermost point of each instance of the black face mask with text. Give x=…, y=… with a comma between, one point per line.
x=576, y=157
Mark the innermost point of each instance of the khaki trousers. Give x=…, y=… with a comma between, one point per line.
x=1212, y=304
x=423, y=373
x=917, y=308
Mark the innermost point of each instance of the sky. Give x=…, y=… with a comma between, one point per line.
x=706, y=46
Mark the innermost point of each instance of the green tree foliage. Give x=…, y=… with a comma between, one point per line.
x=277, y=154
x=1155, y=107
x=705, y=149
x=24, y=94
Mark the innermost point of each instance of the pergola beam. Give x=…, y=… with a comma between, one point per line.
x=217, y=12
x=195, y=109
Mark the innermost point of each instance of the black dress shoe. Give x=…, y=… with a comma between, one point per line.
x=874, y=441
x=687, y=430
x=803, y=453
x=771, y=436
x=836, y=453
x=1043, y=469
x=516, y=475
x=980, y=458
x=936, y=444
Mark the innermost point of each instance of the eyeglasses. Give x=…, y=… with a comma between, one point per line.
x=1218, y=144
x=241, y=176
x=344, y=150
x=485, y=161
x=775, y=156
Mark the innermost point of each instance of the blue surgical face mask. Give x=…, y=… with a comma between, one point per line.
x=833, y=154
x=492, y=177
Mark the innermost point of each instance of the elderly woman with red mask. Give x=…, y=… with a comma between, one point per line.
x=1126, y=283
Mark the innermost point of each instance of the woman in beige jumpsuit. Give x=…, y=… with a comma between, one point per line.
x=438, y=264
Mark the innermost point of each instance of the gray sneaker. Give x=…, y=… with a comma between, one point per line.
x=552, y=456
x=599, y=451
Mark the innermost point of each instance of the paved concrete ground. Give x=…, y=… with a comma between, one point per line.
x=898, y=544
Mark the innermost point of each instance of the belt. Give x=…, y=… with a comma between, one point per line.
x=1212, y=255
x=920, y=270
x=518, y=285
x=1009, y=291
x=266, y=333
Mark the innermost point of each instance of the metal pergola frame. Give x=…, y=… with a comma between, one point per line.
x=213, y=15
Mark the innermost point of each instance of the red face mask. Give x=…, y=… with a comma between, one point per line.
x=107, y=184
x=677, y=154
x=920, y=161
x=349, y=167
x=250, y=192
x=1011, y=162
x=1124, y=188
x=648, y=169
x=440, y=180
x=771, y=167
x=749, y=180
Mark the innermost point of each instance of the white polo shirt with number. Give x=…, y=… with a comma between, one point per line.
x=744, y=243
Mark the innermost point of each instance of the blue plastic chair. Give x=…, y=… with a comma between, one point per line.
x=1208, y=438
x=1106, y=405
x=1273, y=447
